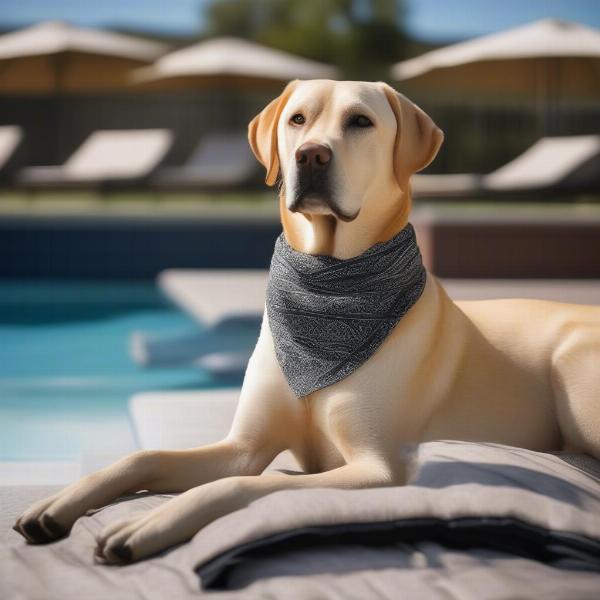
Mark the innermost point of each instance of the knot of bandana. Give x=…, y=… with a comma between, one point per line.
x=328, y=315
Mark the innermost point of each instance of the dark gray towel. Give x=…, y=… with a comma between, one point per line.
x=328, y=315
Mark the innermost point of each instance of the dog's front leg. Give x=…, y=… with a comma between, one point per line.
x=157, y=471
x=267, y=421
x=180, y=518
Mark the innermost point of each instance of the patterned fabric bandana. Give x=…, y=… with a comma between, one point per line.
x=328, y=315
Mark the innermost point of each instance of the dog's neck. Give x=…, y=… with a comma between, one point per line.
x=327, y=235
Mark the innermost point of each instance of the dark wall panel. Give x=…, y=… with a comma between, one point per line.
x=128, y=248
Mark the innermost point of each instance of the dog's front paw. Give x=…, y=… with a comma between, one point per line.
x=114, y=546
x=134, y=539
x=141, y=536
x=52, y=518
x=40, y=524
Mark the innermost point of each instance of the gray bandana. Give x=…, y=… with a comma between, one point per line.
x=328, y=315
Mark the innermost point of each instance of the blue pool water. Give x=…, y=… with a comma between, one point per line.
x=65, y=371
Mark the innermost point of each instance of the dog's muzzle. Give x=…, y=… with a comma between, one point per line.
x=313, y=192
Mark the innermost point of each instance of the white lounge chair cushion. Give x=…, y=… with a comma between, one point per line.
x=116, y=154
x=220, y=159
x=546, y=163
x=209, y=295
x=10, y=137
x=109, y=154
x=222, y=154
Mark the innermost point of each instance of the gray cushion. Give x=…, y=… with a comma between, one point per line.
x=488, y=501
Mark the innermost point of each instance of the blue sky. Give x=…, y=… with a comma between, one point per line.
x=427, y=19
x=448, y=19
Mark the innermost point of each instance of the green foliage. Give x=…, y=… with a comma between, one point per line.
x=362, y=37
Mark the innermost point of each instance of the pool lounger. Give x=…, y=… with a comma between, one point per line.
x=229, y=337
x=188, y=419
x=227, y=303
x=551, y=164
x=208, y=295
x=221, y=161
x=105, y=157
x=11, y=137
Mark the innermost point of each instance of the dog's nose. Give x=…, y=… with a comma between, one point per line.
x=313, y=155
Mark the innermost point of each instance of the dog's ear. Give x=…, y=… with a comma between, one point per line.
x=418, y=138
x=262, y=133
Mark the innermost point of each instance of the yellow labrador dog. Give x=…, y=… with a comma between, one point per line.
x=519, y=372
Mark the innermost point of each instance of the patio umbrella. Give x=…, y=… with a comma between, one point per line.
x=546, y=61
x=54, y=57
x=229, y=62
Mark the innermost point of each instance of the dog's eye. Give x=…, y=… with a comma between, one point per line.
x=359, y=121
x=297, y=119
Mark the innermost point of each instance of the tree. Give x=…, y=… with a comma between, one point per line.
x=361, y=37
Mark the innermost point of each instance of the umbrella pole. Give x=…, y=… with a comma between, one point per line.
x=550, y=96
x=541, y=104
x=55, y=103
x=557, y=123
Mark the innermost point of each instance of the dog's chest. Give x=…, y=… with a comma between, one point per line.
x=320, y=451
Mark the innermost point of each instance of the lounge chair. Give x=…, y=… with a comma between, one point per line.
x=223, y=349
x=220, y=161
x=105, y=157
x=209, y=295
x=551, y=164
x=229, y=304
x=10, y=139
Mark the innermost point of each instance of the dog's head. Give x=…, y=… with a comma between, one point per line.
x=339, y=146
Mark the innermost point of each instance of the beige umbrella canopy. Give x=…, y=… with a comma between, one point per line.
x=228, y=62
x=549, y=64
x=55, y=56
x=551, y=56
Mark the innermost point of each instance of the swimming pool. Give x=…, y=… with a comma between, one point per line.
x=65, y=371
